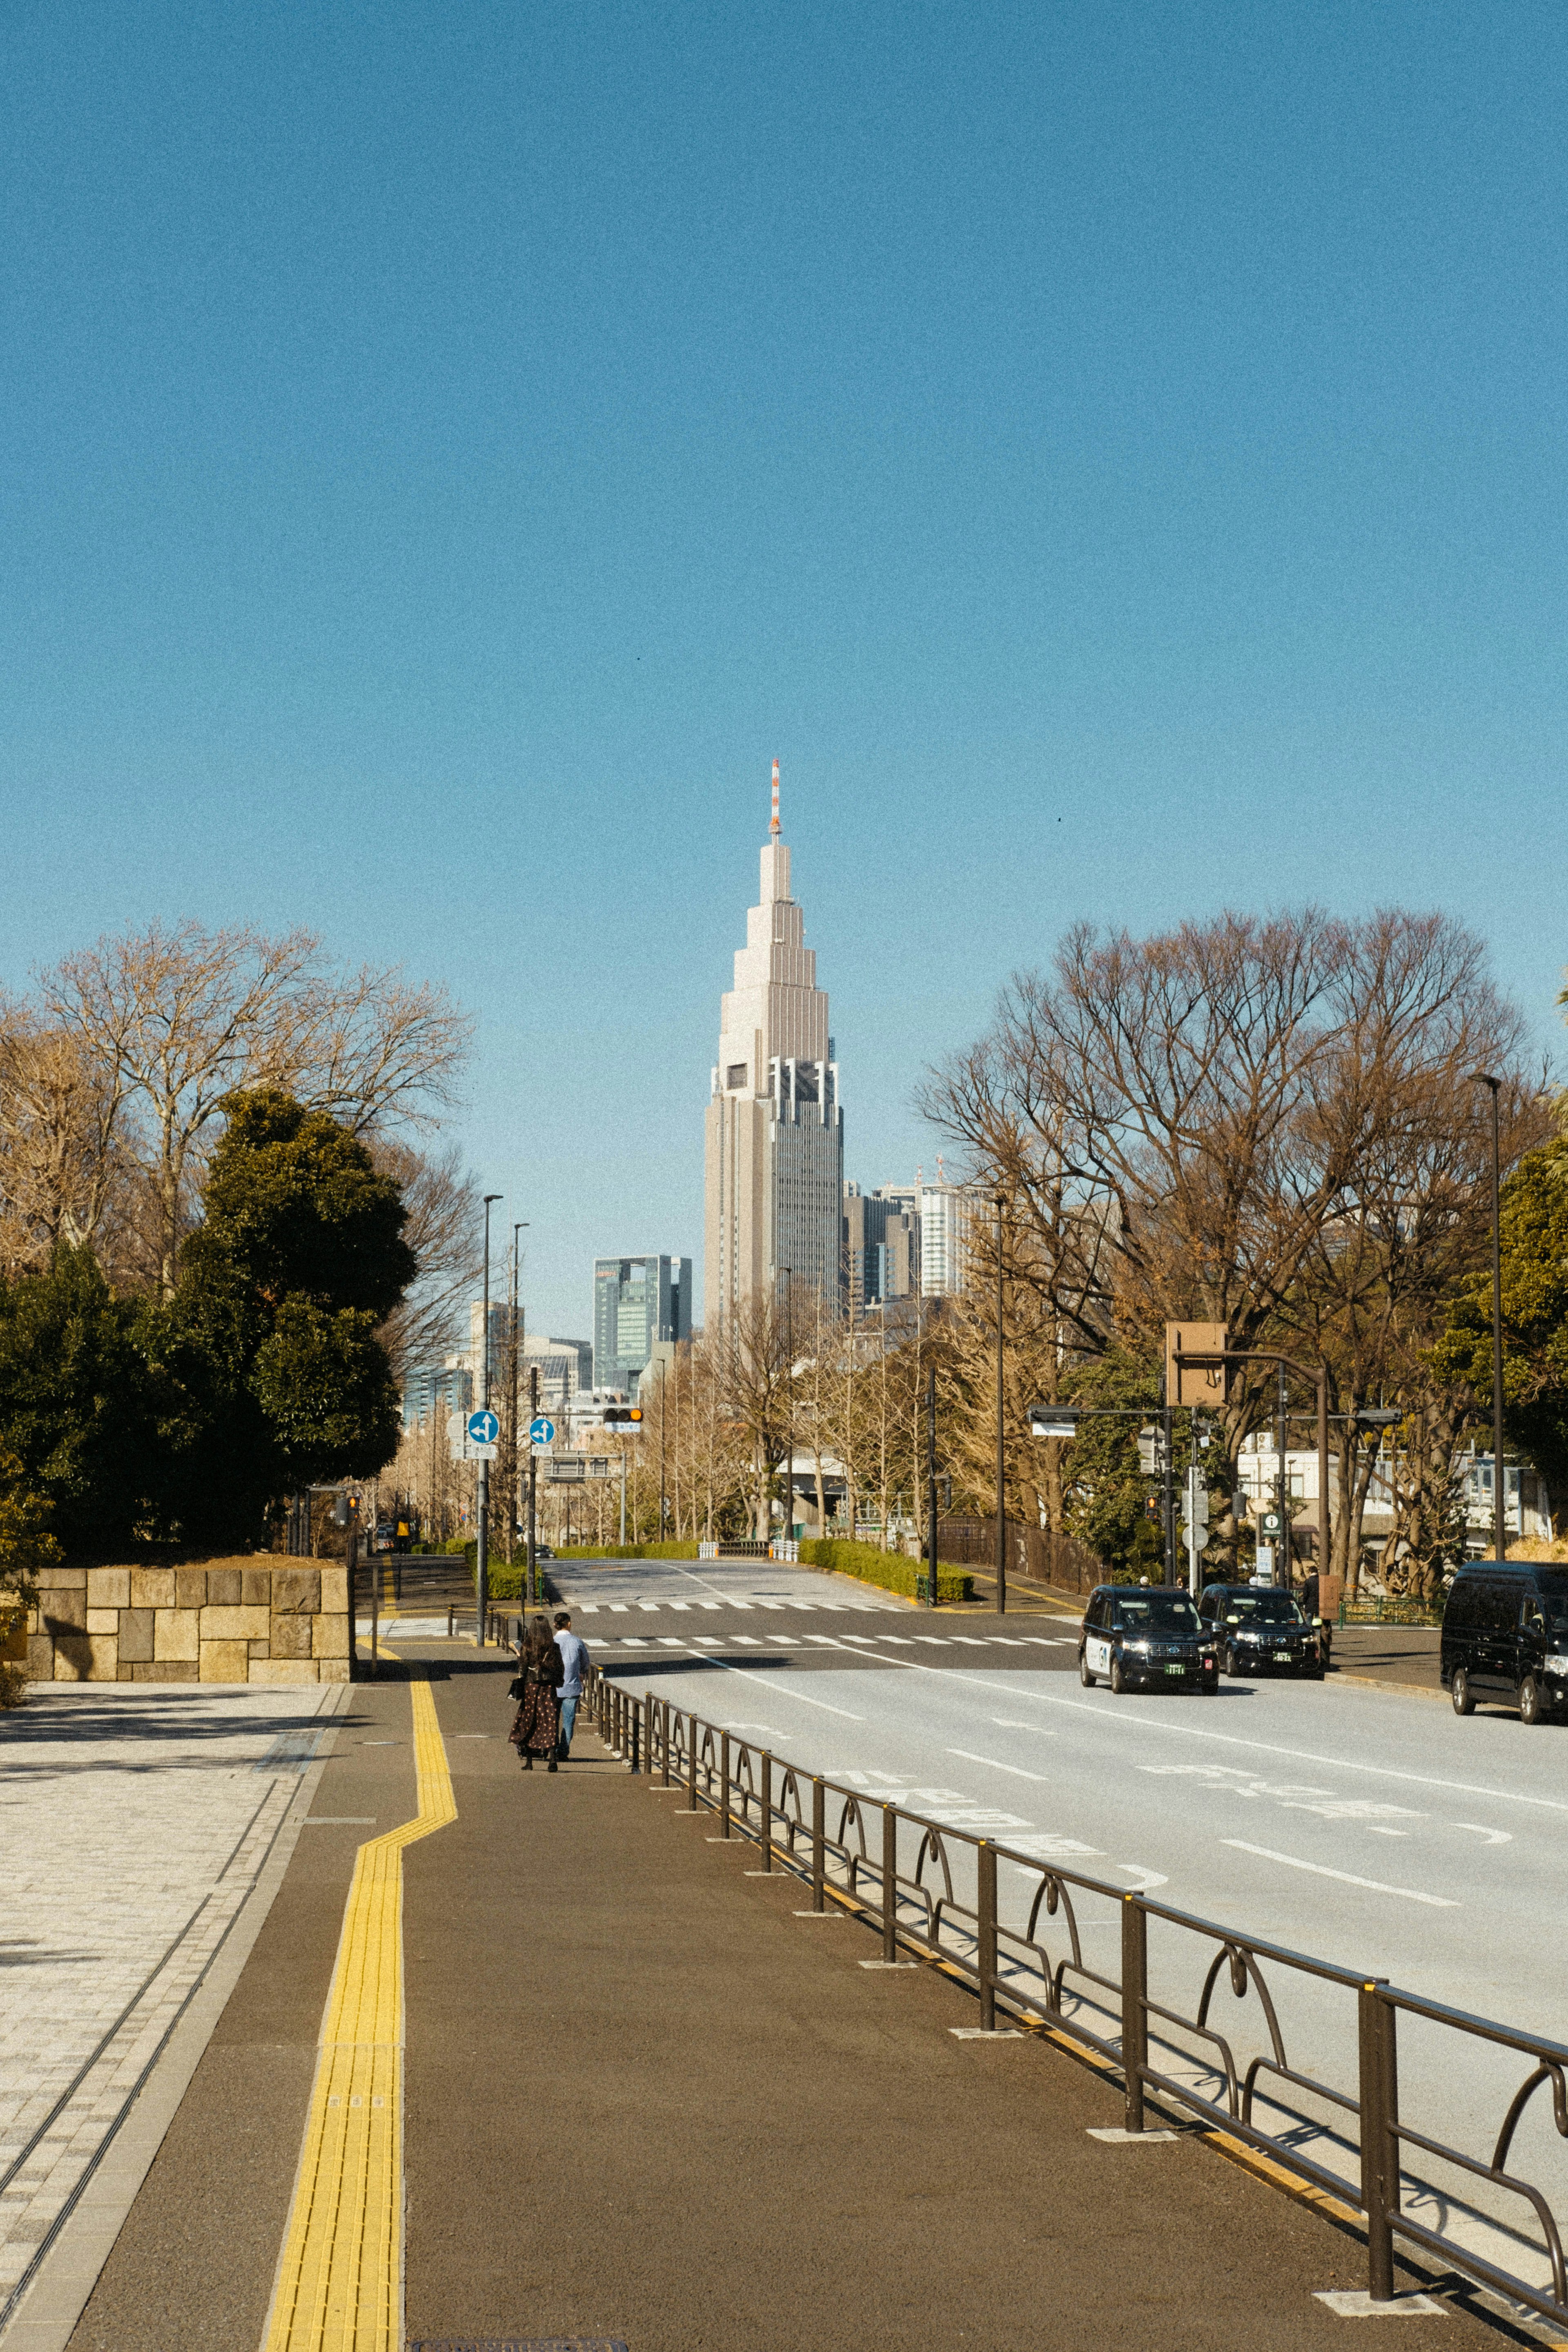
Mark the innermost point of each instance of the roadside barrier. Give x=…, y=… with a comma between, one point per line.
x=932, y=1890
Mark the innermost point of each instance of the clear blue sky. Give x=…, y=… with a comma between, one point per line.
x=1114, y=455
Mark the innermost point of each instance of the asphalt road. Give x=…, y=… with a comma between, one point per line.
x=1367, y=1826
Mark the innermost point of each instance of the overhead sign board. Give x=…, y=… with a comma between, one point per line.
x=1189, y=1384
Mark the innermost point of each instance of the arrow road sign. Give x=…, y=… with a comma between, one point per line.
x=542, y=1432
x=483, y=1428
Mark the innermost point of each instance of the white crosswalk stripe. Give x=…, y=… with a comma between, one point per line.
x=684, y=1608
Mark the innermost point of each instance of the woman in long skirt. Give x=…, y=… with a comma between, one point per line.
x=536, y=1730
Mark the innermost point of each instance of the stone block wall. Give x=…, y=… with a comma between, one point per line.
x=242, y=1621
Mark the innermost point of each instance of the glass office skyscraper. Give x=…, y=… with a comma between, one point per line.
x=638, y=1301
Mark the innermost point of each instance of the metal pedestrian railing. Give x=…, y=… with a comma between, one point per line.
x=935, y=1891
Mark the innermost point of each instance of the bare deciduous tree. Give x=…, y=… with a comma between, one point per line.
x=1265, y=1124
x=179, y=1018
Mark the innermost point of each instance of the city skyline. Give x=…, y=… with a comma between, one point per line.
x=1116, y=467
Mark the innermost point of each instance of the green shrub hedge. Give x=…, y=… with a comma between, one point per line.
x=891, y=1569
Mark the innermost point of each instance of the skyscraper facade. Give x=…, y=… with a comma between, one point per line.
x=774, y=1193
x=638, y=1301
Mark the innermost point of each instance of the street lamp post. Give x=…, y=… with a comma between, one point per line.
x=1001, y=1435
x=1499, y=1511
x=514, y=1458
x=789, y=1407
x=482, y=1559
x=931, y=1485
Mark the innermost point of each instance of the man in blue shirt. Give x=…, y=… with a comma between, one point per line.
x=574, y=1658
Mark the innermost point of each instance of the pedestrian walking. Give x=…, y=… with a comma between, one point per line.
x=574, y=1660
x=536, y=1726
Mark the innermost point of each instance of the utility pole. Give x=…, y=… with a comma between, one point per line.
x=512, y=1457
x=1167, y=1483
x=1001, y=1439
x=930, y=1484
x=481, y=1555
x=1281, y=1439
x=788, y=1273
x=1499, y=1503
x=532, y=1479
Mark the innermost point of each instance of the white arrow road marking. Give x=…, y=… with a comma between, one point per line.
x=1492, y=1837
x=1345, y=1878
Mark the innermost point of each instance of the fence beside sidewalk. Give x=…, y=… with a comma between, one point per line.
x=931, y=1890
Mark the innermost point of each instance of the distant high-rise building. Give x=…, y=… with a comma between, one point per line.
x=881, y=1248
x=565, y=1369
x=773, y=1194
x=944, y=1213
x=450, y=1384
x=637, y=1303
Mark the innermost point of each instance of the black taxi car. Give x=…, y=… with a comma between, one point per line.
x=1145, y=1637
x=1260, y=1629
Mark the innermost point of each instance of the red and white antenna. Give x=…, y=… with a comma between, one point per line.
x=774, y=828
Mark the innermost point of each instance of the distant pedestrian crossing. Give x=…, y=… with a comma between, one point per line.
x=847, y=1644
x=681, y=1608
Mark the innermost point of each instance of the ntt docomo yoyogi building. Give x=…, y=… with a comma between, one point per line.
x=773, y=1196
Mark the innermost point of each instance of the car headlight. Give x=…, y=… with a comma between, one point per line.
x=1557, y=1663
x=1139, y=1649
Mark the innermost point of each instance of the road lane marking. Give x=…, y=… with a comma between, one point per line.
x=339, y=2285
x=1112, y=1714
x=1345, y=1878
x=771, y=1683
x=1016, y=1770
x=1492, y=1837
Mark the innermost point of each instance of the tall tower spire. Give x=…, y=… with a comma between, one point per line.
x=774, y=1128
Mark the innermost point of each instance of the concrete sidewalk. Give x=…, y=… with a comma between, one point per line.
x=646, y=2101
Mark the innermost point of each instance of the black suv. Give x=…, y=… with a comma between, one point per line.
x=1505, y=1635
x=1145, y=1636
x=1260, y=1629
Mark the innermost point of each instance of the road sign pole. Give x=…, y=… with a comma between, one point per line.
x=482, y=1555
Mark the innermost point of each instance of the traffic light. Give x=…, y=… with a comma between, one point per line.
x=345, y=1510
x=613, y=1413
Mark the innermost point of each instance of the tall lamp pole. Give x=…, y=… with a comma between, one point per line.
x=514, y=1457
x=482, y=1557
x=930, y=1484
x=1499, y=1510
x=1001, y=1437
x=788, y=1273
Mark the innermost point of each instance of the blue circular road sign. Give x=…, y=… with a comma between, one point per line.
x=483, y=1428
x=542, y=1432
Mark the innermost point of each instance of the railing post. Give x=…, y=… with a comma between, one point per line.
x=767, y=1803
x=692, y=1764
x=635, y=1710
x=724, y=1784
x=665, y=1704
x=1134, y=2016
x=986, y=1908
x=1379, y=2089
x=818, y=1844
x=889, y=1882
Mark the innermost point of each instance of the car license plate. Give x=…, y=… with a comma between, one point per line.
x=1281, y=1657
x=1175, y=1670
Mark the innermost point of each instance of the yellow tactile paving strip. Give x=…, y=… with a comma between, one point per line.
x=339, y=2277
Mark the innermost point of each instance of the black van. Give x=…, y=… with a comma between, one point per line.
x=1505, y=1635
